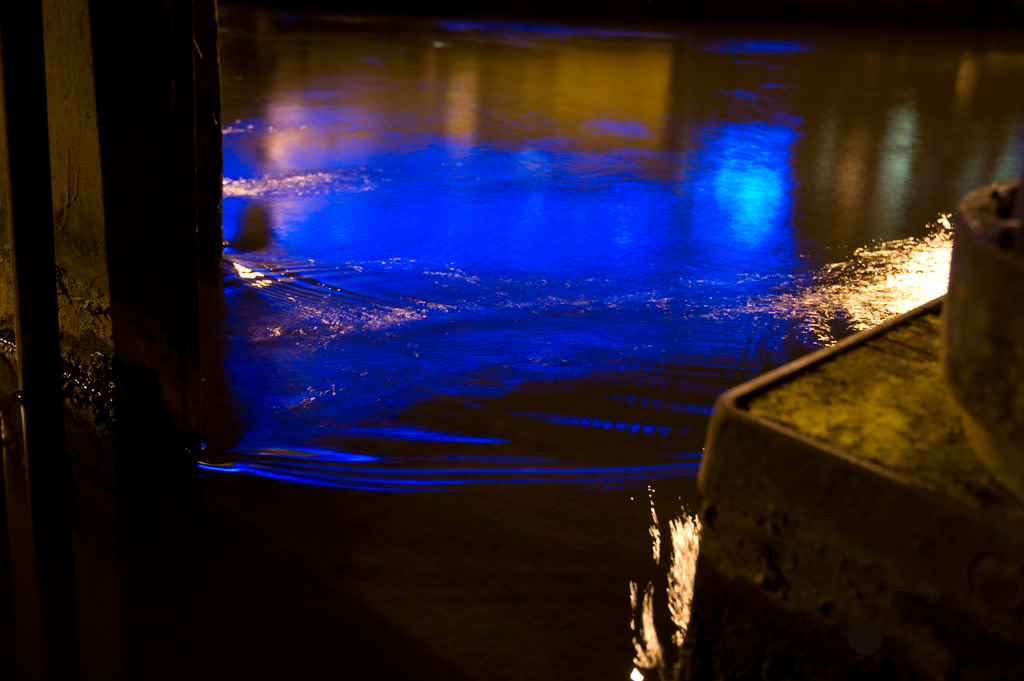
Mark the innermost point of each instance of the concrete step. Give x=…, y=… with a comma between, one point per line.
x=842, y=499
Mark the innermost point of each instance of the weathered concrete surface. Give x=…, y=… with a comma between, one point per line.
x=79, y=224
x=134, y=152
x=841, y=490
x=35, y=468
x=87, y=347
x=737, y=632
x=983, y=329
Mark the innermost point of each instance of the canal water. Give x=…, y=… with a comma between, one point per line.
x=486, y=278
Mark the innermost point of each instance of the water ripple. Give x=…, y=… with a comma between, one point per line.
x=348, y=470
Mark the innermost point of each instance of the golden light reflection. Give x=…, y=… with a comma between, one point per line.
x=461, y=106
x=684, y=531
x=648, y=653
x=655, y=531
x=608, y=92
x=258, y=279
x=966, y=78
x=883, y=280
x=852, y=170
x=878, y=282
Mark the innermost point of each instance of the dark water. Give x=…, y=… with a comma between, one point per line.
x=512, y=265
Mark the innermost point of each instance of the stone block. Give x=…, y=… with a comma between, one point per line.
x=843, y=501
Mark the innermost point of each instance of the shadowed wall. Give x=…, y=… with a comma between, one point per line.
x=133, y=146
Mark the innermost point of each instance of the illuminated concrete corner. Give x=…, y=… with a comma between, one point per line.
x=850, y=531
x=983, y=328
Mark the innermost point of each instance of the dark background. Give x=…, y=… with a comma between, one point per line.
x=911, y=12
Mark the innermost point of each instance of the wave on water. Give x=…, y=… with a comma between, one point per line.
x=338, y=469
x=358, y=471
x=307, y=298
x=299, y=184
x=428, y=379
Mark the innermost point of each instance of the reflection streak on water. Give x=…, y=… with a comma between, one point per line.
x=877, y=283
x=684, y=531
x=645, y=633
x=332, y=468
x=655, y=531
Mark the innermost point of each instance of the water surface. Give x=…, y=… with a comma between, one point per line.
x=512, y=264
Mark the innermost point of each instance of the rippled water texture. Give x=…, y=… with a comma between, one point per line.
x=481, y=254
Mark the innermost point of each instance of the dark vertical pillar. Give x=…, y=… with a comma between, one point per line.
x=146, y=98
x=209, y=148
x=10, y=413
x=217, y=405
x=146, y=121
x=109, y=164
x=36, y=472
x=8, y=387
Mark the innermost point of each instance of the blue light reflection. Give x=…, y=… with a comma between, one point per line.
x=404, y=245
x=522, y=29
x=419, y=475
x=765, y=47
x=749, y=187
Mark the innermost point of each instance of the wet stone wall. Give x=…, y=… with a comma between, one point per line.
x=124, y=170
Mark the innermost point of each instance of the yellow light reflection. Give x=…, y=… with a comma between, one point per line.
x=655, y=534
x=852, y=171
x=877, y=283
x=601, y=91
x=966, y=78
x=685, y=531
x=685, y=537
x=461, y=107
x=648, y=653
x=887, y=279
x=258, y=279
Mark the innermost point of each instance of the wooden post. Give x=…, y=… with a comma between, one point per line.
x=101, y=173
x=209, y=148
x=147, y=117
x=36, y=475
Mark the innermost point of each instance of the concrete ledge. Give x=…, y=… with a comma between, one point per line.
x=841, y=489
